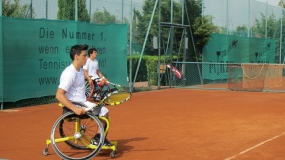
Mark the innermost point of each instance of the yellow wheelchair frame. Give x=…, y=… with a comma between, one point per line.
x=79, y=135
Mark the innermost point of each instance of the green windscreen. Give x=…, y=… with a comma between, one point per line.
x=36, y=51
x=1, y=62
x=225, y=49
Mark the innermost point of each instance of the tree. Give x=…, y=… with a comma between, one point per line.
x=272, y=25
x=134, y=24
x=241, y=31
x=144, y=19
x=281, y=3
x=66, y=10
x=103, y=17
x=202, y=28
x=15, y=10
x=270, y=30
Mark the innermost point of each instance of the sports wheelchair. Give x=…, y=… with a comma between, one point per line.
x=97, y=93
x=71, y=135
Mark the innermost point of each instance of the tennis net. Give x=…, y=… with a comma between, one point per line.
x=254, y=76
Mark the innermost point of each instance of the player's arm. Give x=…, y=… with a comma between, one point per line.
x=87, y=76
x=99, y=73
x=60, y=96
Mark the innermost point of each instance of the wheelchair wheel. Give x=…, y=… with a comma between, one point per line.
x=71, y=135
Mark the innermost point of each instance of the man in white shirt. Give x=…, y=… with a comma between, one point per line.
x=72, y=88
x=91, y=69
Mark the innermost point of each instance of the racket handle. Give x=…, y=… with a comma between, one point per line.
x=114, y=84
x=88, y=109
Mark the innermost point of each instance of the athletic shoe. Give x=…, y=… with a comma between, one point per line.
x=98, y=98
x=107, y=142
x=94, y=142
x=95, y=95
x=96, y=139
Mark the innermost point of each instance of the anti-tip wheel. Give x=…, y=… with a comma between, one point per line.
x=112, y=154
x=45, y=152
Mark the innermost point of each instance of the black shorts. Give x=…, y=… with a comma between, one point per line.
x=95, y=111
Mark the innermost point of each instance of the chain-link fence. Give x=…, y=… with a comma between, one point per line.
x=97, y=11
x=248, y=18
x=222, y=76
x=244, y=18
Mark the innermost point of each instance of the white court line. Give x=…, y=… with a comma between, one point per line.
x=254, y=146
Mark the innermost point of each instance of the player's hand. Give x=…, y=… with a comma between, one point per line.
x=106, y=81
x=79, y=111
x=101, y=83
x=90, y=81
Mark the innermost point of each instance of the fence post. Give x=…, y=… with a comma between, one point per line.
x=90, y=10
x=76, y=10
x=1, y=10
x=145, y=40
x=281, y=21
x=159, y=44
x=31, y=9
x=266, y=15
x=266, y=79
x=131, y=50
x=46, y=9
x=248, y=30
x=1, y=58
x=122, y=11
x=148, y=77
x=227, y=16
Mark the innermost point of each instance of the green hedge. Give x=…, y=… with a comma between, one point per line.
x=148, y=66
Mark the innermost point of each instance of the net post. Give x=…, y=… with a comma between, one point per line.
x=2, y=106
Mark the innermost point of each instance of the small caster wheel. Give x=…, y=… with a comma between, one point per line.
x=112, y=154
x=45, y=152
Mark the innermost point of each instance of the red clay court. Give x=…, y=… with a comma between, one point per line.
x=166, y=124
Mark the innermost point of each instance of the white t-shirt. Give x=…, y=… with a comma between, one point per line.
x=72, y=82
x=92, y=67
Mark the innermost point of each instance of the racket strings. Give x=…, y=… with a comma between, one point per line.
x=117, y=98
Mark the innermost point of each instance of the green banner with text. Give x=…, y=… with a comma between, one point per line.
x=225, y=49
x=35, y=52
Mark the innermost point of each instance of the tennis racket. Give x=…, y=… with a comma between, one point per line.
x=110, y=99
